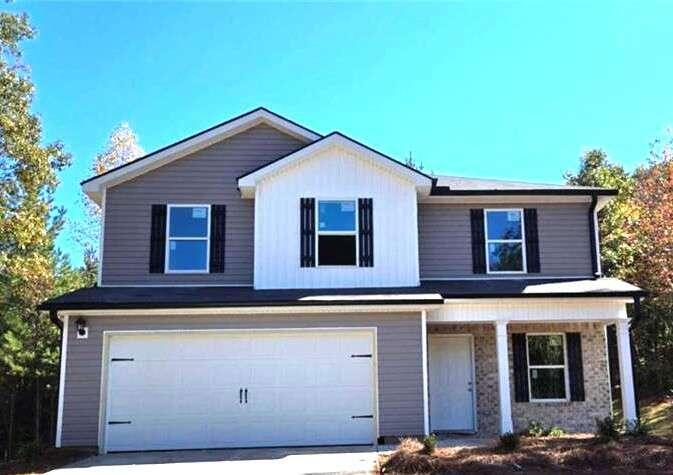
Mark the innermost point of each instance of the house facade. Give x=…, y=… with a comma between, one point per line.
x=261, y=284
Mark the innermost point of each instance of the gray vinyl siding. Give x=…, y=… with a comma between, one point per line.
x=207, y=176
x=445, y=239
x=399, y=363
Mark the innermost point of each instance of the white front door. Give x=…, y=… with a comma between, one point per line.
x=451, y=384
x=187, y=390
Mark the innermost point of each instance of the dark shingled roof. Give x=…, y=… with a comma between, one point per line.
x=429, y=292
x=457, y=185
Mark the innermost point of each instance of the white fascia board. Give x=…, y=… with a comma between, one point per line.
x=248, y=183
x=543, y=310
x=288, y=310
x=94, y=187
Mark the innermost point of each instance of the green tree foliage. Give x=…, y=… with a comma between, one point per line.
x=637, y=245
x=29, y=224
x=617, y=242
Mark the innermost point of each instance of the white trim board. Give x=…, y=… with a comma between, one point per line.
x=426, y=388
x=530, y=310
x=61, y=382
x=248, y=183
x=289, y=310
x=94, y=187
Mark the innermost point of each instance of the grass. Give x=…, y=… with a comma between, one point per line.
x=569, y=453
x=48, y=460
x=658, y=413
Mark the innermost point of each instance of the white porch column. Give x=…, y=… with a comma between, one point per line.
x=503, y=377
x=626, y=371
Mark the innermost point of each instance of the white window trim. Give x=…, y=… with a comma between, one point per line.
x=522, y=241
x=564, y=366
x=318, y=233
x=167, y=268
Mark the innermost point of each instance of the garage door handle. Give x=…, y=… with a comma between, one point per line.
x=369, y=416
x=240, y=396
x=246, y=395
x=113, y=423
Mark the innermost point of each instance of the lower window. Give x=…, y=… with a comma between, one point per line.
x=336, y=250
x=547, y=367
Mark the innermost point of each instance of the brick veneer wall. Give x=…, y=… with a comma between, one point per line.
x=571, y=416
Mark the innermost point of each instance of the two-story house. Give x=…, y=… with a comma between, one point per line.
x=261, y=284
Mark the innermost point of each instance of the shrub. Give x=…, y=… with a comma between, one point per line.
x=637, y=428
x=536, y=429
x=607, y=429
x=429, y=444
x=509, y=442
x=556, y=432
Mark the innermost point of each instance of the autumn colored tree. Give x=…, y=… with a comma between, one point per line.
x=122, y=147
x=637, y=245
x=28, y=227
x=653, y=267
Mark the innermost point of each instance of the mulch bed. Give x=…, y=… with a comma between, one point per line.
x=571, y=454
x=46, y=461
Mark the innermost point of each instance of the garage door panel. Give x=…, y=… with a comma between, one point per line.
x=183, y=390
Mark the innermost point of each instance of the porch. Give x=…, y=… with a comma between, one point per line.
x=545, y=361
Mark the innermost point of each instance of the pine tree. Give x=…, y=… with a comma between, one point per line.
x=28, y=226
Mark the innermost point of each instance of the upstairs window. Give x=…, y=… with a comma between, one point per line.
x=504, y=240
x=188, y=238
x=547, y=368
x=337, y=233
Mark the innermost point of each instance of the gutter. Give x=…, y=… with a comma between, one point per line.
x=53, y=316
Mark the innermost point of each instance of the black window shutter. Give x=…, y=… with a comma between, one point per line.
x=218, y=219
x=520, y=360
x=532, y=241
x=575, y=370
x=158, y=239
x=478, y=241
x=366, y=232
x=307, y=232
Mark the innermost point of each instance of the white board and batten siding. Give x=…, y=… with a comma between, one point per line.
x=335, y=173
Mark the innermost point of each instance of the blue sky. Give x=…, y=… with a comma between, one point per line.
x=508, y=90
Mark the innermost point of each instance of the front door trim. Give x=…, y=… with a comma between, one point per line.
x=470, y=338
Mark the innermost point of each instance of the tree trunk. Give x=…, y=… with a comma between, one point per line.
x=38, y=411
x=52, y=416
x=10, y=428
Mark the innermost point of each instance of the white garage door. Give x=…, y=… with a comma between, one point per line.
x=239, y=389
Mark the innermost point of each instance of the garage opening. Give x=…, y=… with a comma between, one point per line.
x=216, y=389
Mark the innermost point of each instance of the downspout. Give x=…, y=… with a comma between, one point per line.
x=595, y=271
x=53, y=316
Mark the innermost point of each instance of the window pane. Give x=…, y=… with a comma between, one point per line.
x=189, y=222
x=504, y=224
x=336, y=250
x=545, y=349
x=505, y=256
x=547, y=383
x=336, y=216
x=187, y=255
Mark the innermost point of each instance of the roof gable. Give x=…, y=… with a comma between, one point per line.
x=94, y=186
x=248, y=182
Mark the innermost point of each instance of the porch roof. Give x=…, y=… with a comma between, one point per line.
x=428, y=293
